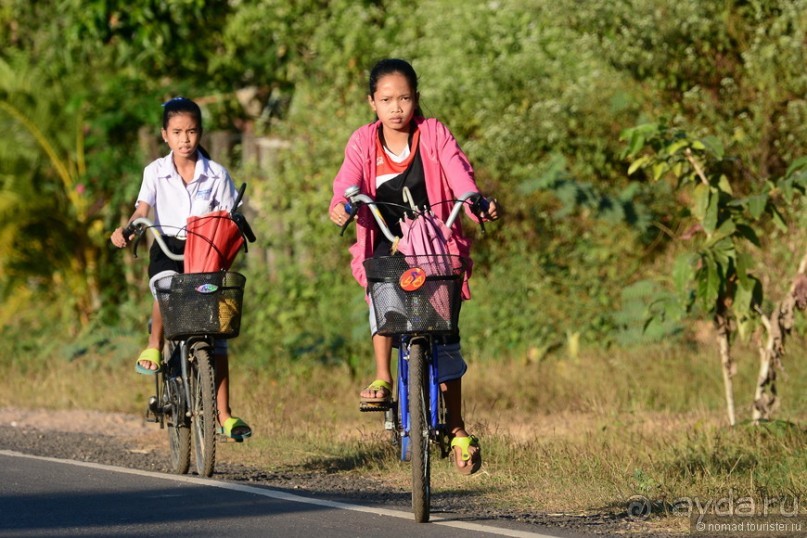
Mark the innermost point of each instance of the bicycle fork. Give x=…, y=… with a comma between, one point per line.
x=402, y=421
x=167, y=400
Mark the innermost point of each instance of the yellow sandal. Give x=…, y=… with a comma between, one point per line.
x=476, y=458
x=151, y=355
x=379, y=385
x=236, y=429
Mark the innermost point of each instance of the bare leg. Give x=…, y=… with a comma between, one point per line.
x=223, y=409
x=156, y=336
x=223, y=387
x=382, y=348
x=452, y=396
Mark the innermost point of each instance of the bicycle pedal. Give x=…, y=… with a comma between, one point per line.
x=366, y=407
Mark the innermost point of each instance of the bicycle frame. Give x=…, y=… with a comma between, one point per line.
x=437, y=427
x=184, y=394
x=184, y=348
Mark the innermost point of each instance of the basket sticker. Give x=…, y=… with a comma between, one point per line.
x=207, y=288
x=412, y=279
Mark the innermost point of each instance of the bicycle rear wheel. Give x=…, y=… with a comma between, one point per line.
x=173, y=405
x=419, y=433
x=203, y=404
x=179, y=437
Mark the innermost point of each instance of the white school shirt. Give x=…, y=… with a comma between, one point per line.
x=173, y=201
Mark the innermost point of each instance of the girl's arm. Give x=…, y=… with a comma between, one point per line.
x=351, y=172
x=455, y=164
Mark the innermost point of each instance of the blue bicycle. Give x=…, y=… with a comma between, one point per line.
x=416, y=299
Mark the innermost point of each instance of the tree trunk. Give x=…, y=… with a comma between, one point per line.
x=770, y=356
x=724, y=346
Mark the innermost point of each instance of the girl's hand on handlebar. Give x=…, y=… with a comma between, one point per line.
x=493, y=210
x=339, y=216
x=486, y=209
x=118, y=239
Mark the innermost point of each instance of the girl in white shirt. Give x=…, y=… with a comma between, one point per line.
x=182, y=184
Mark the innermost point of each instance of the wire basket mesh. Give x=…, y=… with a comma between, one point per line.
x=416, y=294
x=194, y=304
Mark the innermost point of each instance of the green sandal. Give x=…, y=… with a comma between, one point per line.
x=379, y=385
x=150, y=355
x=235, y=428
x=476, y=458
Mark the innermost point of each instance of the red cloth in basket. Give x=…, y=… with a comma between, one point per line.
x=212, y=244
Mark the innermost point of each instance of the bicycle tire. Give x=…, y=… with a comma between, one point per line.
x=419, y=433
x=179, y=424
x=203, y=404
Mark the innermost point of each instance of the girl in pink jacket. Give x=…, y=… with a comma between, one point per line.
x=403, y=149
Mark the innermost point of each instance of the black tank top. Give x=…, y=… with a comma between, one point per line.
x=391, y=191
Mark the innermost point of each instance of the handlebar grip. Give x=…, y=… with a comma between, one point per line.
x=351, y=210
x=483, y=204
x=243, y=225
x=128, y=231
x=479, y=205
x=239, y=219
x=137, y=231
x=250, y=235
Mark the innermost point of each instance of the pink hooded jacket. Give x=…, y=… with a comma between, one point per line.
x=446, y=170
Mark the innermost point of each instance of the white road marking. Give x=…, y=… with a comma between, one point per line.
x=280, y=495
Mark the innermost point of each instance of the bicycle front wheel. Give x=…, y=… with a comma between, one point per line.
x=179, y=428
x=203, y=404
x=419, y=433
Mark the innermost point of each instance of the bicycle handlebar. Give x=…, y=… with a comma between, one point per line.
x=479, y=204
x=138, y=226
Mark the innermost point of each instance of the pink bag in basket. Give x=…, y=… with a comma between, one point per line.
x=431, y=242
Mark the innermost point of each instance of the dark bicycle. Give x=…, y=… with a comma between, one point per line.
x=197, y=309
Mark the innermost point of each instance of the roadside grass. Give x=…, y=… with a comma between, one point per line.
x=572, y=436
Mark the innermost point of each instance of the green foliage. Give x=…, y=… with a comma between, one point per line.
x=648, y=313
x=722, y=226
x=142, y=41
x=734, y=68
x=536, y=91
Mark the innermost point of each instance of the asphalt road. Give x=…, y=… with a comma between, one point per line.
x=51, y=497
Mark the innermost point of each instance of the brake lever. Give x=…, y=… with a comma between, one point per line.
x=351, y=210
x=135, y=230
x=241, y=221
x=480, y=205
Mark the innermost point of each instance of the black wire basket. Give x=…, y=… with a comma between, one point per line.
x=195, y=304
x=418, y=294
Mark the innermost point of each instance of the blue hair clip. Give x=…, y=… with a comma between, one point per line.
x=173, y=100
